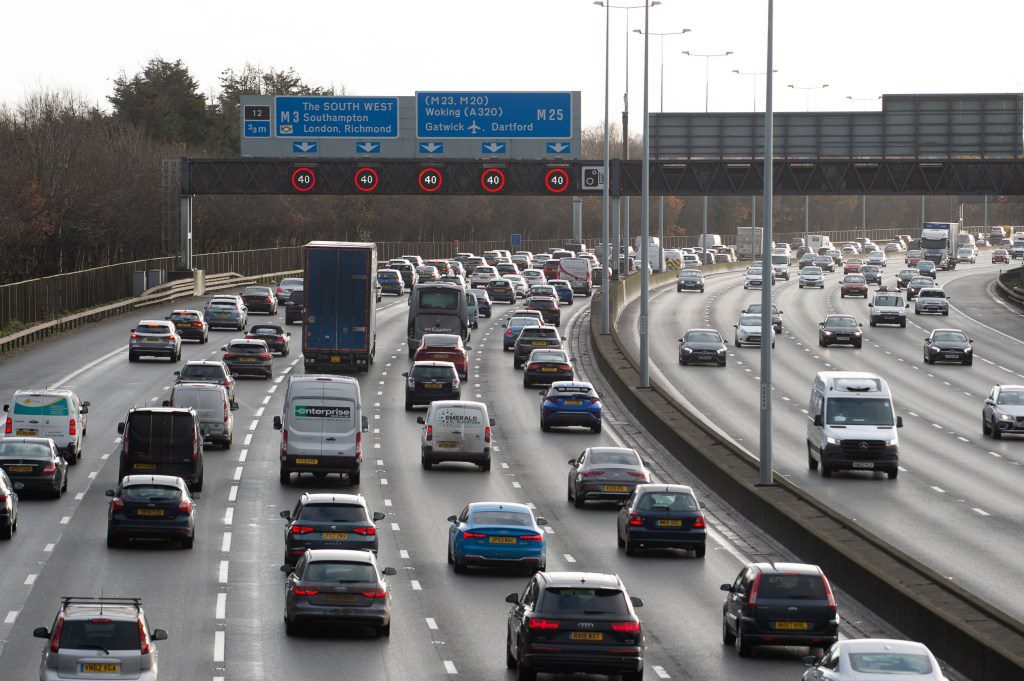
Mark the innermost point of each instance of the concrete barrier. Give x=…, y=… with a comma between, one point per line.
x=975, y=637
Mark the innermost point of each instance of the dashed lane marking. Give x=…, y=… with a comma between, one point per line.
x=569, y=558
x=660, y=671
x=403, y=554
x=229, y=515
x=65, y=520
x=431, y=624
x=395, y=527
x=938, y=489
x=449, y=667
x=415, y=584
x=233, y=493
x=222, y=602
x=225, y=543
x=981, y=512
x=222, y=575
x=218, y=646
x=49, y=548
x=30, y=580
x=11, y=616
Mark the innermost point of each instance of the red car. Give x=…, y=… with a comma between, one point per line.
x=1001, y=255
x=852, y=266
x=444, y=347
x=913, y=257
x=854, y=285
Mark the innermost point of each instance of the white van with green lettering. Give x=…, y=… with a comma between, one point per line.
x=321, y=428
x=456, y=430
x=56, y=414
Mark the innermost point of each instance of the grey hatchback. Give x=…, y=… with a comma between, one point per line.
x=99, y=638
x=245, y=356
x=154, y=338
x=329, y=521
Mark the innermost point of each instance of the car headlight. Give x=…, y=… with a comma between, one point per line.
x=969, y=350
x=411, y=382
x=721, y=351
x=1005, y=417
x=687, y=350
x=890, y=443
x=828, y=333
x=831, y=441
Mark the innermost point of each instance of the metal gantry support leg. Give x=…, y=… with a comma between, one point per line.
x=765, y=430
x=704, y=225
x=616, y=212
x=661, y=233
x=185, y=247
x=986, y=216
x=625, y=231
x=864, y=216
x=645, y=224
x=922, y=209
x=577, y=219
x=807, y=219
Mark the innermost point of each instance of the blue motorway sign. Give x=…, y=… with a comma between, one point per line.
x=465, y=115
x=515, y=240
x=336, y=117
x=256, y=129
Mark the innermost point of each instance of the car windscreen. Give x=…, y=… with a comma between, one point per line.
x=750, y=320
x=888, y=301
x=925, y=265
x=890, y=663
x=291, y=282
x=223, y=303
x=812, y=270
x=433, y=373
x=703, y=337
x=670, y=501
x=690, y=273
x=297, y=297
x=152, y=328
x=336, y=513
x=184, y=316
x=339, y=571
x=267, y=330
x=1011, y=397
x=840, y=322
x=201, y=400
x=256, y=291
x=538, y=332
x=618, y=458
x=858, y=411
x=933, y=293
x=520, y=322
x=440, y=340
x=780, y=259
x=154, y=493
x=854, y=279
x=791, y=586
x=100, y=632
x=387, y=276
x=922, y=281
x=24, y=450
x=514, y=518
x=201, y=371
x=908, y=273
x=583, y=601
x=949, y=337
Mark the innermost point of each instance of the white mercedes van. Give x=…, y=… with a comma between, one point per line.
x=56, y=414
x=321, y=427
x=456, y=430
x=852, y=424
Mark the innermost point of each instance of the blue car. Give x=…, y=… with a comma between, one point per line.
x=563, y=289
x=483, y=302
x=496, y=534
x=570, y=403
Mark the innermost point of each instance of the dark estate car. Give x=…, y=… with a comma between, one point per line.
x=948, y=345
x=35, y=463
x=662, y=517
x=260, y=299
x=690, y=280
x=605, y=474
x=190, y=325
x=329, y=521
x=252, y=357
x=702, y=346
x=295, y=307
x=427, y=381
x=548, y=308
x=390, y=281
x=501, y=289
x=547, y=366
x=207, y=371
x=151, y=507
x=532, y=338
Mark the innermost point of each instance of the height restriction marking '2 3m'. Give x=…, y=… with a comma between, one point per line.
x=486, y=115
x=336, y=117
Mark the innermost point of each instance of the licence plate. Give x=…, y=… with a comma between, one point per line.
x=306, y=462
x=863, y=464
x=26, y=431
x=502, y=540
x=793, y=626
x=447, y=445
x=842, y=338
x=549, y=370
x=144, y=466
x=153, y=340
x=586, y=636
x=670, y=523
x=19, y=469
x=335, y=359
x=615, y=488
x=952, y=355
x=575, y=403
x=150, y=511
x=220, y=314
x=246, y=359
x=432, y=386
x=538, y=344
x=335, y=536
x=101, y=668
x=341, y=598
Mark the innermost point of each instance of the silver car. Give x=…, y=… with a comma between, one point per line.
x=748, y=330
x=99, y=638
x=227, y=313
x=287, y=285
x=332, y=586
x=877, y=258
x=1003, y=411
x=811, y=276
x=154, y=338
x=872, y=658
x=931, y=300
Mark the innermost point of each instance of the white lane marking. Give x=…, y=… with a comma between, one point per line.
x=380, y=462
x=30, y=580
x=376, y=417
x=248, y=440
x=403, y=554
x=548, y=529
x=660, y=671
x=395, y=527
x=117, y=440
x=516, y=484
x=504, y=465
x=49, y=548
x=266, y=400
x=376, y=431
x=383, y=481
x=449, y=667
x=912, y=413
x=88, y=366
x=92, y=475
x=962, y=438
x=415, y=584
x=11, y=616
x=259, y=412
x=938, y=489
x=225, y=543
x=286, y=370
x=376, y=445
x=79, y=496
x=996, y=454
x=218, y=646
x=987, y=361
x=387, y=502
x=154, y=399
x=273, y=389
x=65, y=520
x=1009, y=371
x=431, y=624
x=105, y=456
x=278, y=379
x=233, y=493
x=980, y=512
x=238, y=473
x=569, y=558
x=902, y=469
x=222, y=606
x=935, y=425
x=242, y=455
x=222, y=575
x=252, y=426
x=229, y=515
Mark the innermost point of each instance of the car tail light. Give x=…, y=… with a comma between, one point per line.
x=300, y=529
x=365, y=530
x=638, y=474
x=185, y=506
x=532, y=367
x=265, y=355
x=7, y=426
x=227, y=410
x=199, y=324
x=117, y=504
x=828, y=594
x=279, y=290
x=552, y=399
x=752, y=598
x=473, y=535
x=591, y=474
x=266, y=300
x=626, y=627
x=72, y=427
x=55, y=636
x=195, y=446
x=635, y=519
x=135, y=335
x=487, y=434
x=143, y=639
x=564, y=367
x=538, y=623
x=375, y=593
x=305, y=591
x=531, y=537
x=230, y=355
x=699, y=522
x=3, y=497
x=430, y=433
x=49, y=468
x=592, y=400
x=284, y=437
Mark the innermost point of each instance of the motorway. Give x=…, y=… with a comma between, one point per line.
x=956, y=505
x=222, y=602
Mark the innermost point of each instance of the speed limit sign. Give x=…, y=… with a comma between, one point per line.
x=492, y=180
x=366, y=179
x=1002, y=198
x=557, y=180
x=430, y=179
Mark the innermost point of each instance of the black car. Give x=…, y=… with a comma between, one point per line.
x=567, y=622
x=840, y=329
x=276, y=338
x=836, y=255
x=252, y=357
x=916, y=284
x=8, y=505
x=483, y=302
x=532, y=338
x=329, y=521
x=407, y=271
x=702, y=346
x=35, y=463
x=872, y=274
x=151, y=507
x=806, y=259
x=548, y=308
x=904, y=276
x=662, y=517
x=260, y=299
x=547, y=366
x=948, y=345
x=690, y=280
x=927, y=268
x=295, y=307
x=190, y=325
x=162, y=441
x=779, y=604
x=427, y=381
x=502, y=289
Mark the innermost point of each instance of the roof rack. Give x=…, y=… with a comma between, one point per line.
x=100, y=600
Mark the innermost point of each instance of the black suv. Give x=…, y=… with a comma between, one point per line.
x=329, y=521
x=294, y=307
x=162, y=441
x=779, y=604
x=428, y=381
x=531, y=338
x=568, y=622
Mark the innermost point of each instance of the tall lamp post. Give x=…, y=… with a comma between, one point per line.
x=765, y=422
x=753, y=199
x=807, y=90
x=866, y=100
x=661, y=108
x=807, y=107
x=707, y=65
x=645, y=218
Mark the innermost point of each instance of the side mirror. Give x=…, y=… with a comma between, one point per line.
x=405, y=374
x=871, y=304
x=277, y=423
x=366, y=424
x=41, y=632
x=452, y=519
x=725, y=342
x=7, y=407
x=682, y=340
x=287, y=569
x=492, y=422
x=87, y=403
x=286, y=515
x=735, y=326
x=645, y=462
x=469, y=347
x=165, y=403
x=85, y=408
x=572, y=462
x=120, y=428
x=158, y=635
x=234, y=405
x=701, y=504
x=859, y=324
x=109, y=493
x=177, y=373
x=389, y=571
x=970, y=340
x=223, y=348
x=810, y=661
x=726, y=587
x=636, y=601
x=542, y=521
x=511, y=598
x=990, y=401
x=419, y=420
x=817, y=419
x=377, y=515
x=907, y=306
x=899, y=421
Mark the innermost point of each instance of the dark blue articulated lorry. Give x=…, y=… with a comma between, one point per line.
x=339, y=331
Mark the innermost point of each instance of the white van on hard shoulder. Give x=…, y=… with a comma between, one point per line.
x=56, y=414
x=456, y=430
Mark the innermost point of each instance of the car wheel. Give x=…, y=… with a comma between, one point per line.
x=728, y=638
x=525, y=674
x=996, y=434
x=618, y=539
x=812, y=463
x=826, y=471
x=984, y=427
x=284, y=476
x=7, y=531
x=945, y=313
x=384, y=631
x=969, y=362
x=629, y=546
x=578, y=501
x=289, y=628
x=903, y=324
x=526, y=383
x=596, y=429
x=408, y=405
x=742, y=643
x=188, y=542
x=510, y=661
x=516, y=364
x=858, y=345
x=700, y=551
x=893, y=473
x=112, y=541
x=426, y=462
x=198, y=487
x=486, y=465
x=132, y=357
x=842, y=295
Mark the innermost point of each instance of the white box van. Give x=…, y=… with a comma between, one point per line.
x=576, y=271
x=456, y=430
x=709, y=240
x=56, y=414
x=852, y=424
x=321, y=427
x=213, y=406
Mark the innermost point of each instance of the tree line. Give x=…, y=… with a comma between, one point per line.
x=82, y=186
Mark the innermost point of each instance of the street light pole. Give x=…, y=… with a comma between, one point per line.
x=645, y=221
x=754, y=75
x=807, y=104
x=605, y=218
x=765, y=449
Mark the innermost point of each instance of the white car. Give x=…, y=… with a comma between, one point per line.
x=967, y=254
x=812, y=276
x=754, y=276
x=518, y=283
x=876, y=258
x=850, y=249
x=690, y=260
x=748, y=330
x=533, y=276
x=483, y=275
x=874, y=658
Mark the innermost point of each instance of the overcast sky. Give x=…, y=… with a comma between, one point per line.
x=395, y=47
